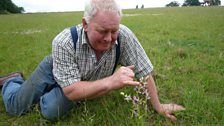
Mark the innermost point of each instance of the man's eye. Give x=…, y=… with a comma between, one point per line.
x=101, y=31
x=114, y=32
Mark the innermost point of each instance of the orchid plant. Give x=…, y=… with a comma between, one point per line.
x=139, y=99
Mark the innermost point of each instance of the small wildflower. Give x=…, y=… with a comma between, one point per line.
x=135, y=112
x=128, y=98
x=135, y=99
x=122, y=93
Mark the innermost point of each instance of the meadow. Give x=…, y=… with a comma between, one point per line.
x=185, y=45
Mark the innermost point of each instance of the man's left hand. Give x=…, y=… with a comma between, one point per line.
x=168, y=109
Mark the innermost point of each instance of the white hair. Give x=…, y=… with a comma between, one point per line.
x=92, y=6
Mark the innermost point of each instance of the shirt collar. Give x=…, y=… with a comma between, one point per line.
x=84, y=37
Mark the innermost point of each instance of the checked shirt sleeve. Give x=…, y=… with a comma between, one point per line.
x=65, y=68
x=133, y=53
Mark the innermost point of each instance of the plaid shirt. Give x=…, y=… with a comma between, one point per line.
x=72, y=65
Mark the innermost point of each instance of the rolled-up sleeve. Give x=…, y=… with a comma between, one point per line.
x=134, y=54
x=65, y=68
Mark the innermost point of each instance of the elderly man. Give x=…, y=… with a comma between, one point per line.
x=82, y=66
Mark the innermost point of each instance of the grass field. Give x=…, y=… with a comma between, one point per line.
x=185, y=45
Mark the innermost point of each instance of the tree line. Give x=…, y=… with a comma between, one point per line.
x=195, y=3
x=7, y=6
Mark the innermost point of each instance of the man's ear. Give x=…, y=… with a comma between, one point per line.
x=84, y=24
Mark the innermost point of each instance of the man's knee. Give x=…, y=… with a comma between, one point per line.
x=54, y=104
x=50, y=111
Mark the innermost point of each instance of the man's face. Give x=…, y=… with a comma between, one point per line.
x=102, y=30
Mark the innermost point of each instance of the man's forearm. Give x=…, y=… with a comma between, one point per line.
x=87, y=89
x=124, y=76
x=153, y=94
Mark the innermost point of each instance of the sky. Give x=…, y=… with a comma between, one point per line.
x=78, y=5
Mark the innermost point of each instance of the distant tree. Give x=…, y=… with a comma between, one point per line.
x=215, y=2
x=136, y=7
x=191, y=3
x=142, y=6
x=173, y=4
x=7, y=6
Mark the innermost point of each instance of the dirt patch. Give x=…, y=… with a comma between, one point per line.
x=25, y=32
x=128, y=15
x=30, y=31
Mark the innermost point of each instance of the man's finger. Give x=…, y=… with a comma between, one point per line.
x=132, y=67
x=170, y=116
x=178, y=107
x=132, y=83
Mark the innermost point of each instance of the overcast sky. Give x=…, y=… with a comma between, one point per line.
x=78, y=5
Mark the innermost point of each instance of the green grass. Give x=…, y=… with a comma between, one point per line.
x=185, y=45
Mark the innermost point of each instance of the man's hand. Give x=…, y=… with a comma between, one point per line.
x=124, y=76
x=164, y=109
x=168, y=109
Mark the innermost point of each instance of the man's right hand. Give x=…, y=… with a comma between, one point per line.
x=124, y=76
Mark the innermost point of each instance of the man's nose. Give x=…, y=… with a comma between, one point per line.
x=108, y=37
